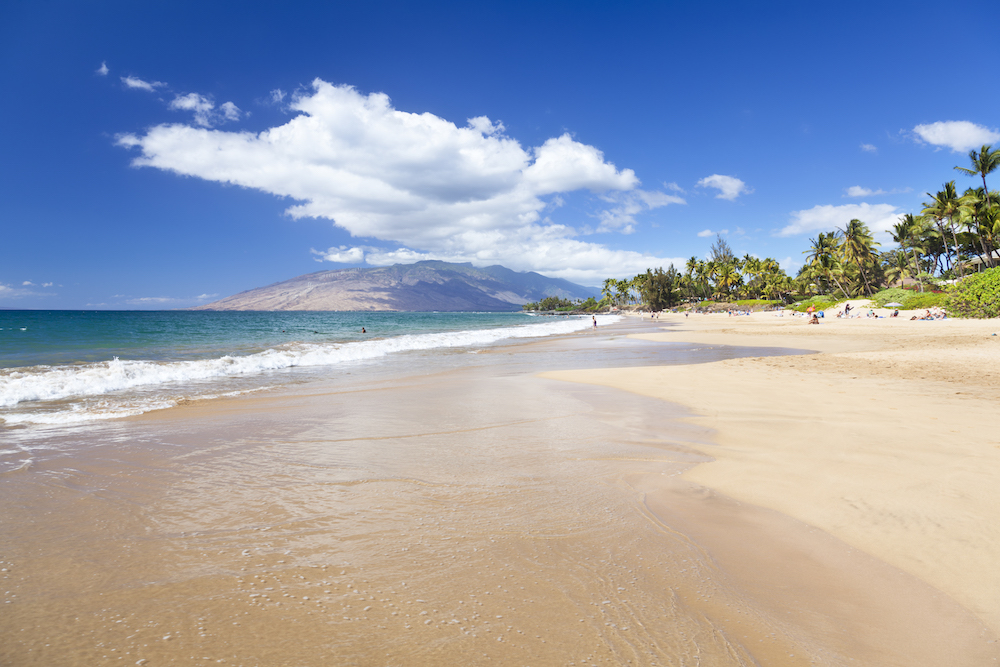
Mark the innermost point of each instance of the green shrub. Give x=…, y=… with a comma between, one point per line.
x=925, y=300
x=892, y=294
x=756, y=302
x=821, y=302
x=976, y=295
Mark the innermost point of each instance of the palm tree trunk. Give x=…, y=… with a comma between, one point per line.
x=916, y=266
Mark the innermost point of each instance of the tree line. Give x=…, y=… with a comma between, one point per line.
x=952, y=232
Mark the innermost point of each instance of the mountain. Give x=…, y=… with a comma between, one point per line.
x=424, y=286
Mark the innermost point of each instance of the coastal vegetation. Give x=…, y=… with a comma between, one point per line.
x=559, y=304
x=977, y=296
x=944, y=256
x=722, y=277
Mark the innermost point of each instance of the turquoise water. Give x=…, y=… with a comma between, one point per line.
x=31, y=338
x=61, y=367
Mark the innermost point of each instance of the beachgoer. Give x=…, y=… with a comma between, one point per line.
x=814, y=319
x=363, y=330
x=594, y=317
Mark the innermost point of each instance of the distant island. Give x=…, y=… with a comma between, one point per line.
x=420, y=287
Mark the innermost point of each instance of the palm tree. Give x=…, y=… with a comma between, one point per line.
x=858, y=249
x=945, y=205
x=980, y=219
x=608, y=290
x=985, y=161
x=907, y=234
x=898, y=265
x=824, y=260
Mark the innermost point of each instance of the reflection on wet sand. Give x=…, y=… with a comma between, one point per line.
x=470, y=517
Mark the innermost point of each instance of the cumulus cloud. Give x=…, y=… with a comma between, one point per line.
x=621, y=217
x=204, y=109
x=869, y=148
x=148, y=86
x=958, y=135
x=201, y=106
x=858, y=191
x=23, y=290
x=879, y=217
x=103, y=69
x=729, y=187
x=342, y=255
x=230, y=111
x=705, y=233
x=421, y=183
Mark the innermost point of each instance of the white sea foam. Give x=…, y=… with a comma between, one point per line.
x=69, y=383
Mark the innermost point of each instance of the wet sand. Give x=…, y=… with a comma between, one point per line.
x=885, y=442
x=480, y=515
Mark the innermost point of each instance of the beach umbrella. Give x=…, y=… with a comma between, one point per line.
x=893, y=305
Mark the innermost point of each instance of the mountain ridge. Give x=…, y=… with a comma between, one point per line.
x=429, y=285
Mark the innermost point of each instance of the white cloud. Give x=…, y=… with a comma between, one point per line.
x=674, y=187
x=879, y=217
x=103, y=69
x=277, y=96
x=23, y=290
x=789, y=265
x=869, y=148
x=858, y=191
x=622, y=217
x=958, y=135
x=204, y=109
x=705, y=233
x=729, y=187
x=149, y=86
x=200, y=105
x=342, y=255
x=230, y=111
x=429, y=187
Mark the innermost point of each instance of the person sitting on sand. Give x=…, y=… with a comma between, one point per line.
x=814, y=319
x=895, y=313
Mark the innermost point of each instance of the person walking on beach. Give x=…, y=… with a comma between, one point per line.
x=594, y=317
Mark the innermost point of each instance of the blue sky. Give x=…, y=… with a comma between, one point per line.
x=161, y=155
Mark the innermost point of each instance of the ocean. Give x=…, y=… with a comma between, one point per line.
x=69, y=367
x=279, y=488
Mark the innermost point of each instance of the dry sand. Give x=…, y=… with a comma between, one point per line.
x=885, y=441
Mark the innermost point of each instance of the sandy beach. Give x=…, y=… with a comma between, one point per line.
x=679, y=492
x=884, y=440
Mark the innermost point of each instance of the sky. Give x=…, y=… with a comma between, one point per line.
x=162, y=155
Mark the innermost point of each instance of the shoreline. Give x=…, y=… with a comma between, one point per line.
x=469, y=513
x=882, y=439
